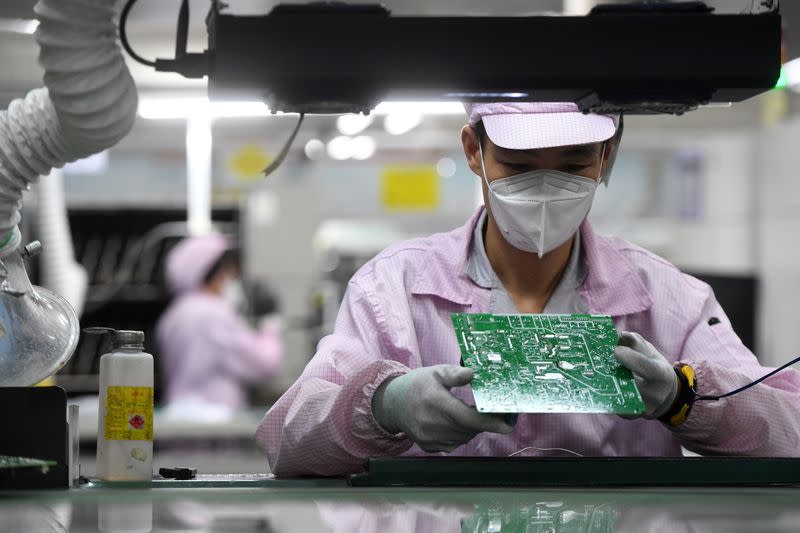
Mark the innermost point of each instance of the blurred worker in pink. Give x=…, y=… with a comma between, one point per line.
x=209, y=353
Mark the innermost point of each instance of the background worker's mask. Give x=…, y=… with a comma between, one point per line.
x=540, y=210
x=233, y=293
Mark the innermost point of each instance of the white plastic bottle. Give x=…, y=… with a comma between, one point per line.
x=125, y=424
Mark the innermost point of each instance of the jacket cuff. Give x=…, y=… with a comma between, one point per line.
x=705, y=416
x=364, y=427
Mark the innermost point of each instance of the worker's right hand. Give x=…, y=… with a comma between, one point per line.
x=421, y=405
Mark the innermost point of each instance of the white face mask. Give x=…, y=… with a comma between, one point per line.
x=233, y=292
x=540, y=210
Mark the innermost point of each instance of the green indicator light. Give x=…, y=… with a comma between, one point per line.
x=783, y=82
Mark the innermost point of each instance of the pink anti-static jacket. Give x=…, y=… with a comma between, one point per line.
x=396, y=316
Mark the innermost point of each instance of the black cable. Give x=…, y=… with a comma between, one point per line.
x=188, y=65
x=123, y=35
x=753, y=384
x=273, y=166
x=182, y=33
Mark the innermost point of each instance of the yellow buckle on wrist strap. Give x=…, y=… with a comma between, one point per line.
x=687, y=384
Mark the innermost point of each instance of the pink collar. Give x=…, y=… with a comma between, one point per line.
x=613, y=285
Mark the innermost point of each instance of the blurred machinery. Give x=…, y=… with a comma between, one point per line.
x=123, y=253
x=341, y=247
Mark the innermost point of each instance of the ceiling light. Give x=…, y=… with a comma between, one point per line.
x=185, y=108
x=22, y=26
x=315, y=149
x=353, y=124
x=399, y=123
x=425, y=108
x=502, y=96
x=340, y=148
x=363, y=147
x=171, y=107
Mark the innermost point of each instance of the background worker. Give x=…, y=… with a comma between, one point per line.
x=209, y=353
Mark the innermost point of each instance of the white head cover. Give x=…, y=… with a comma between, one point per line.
x=531, y=125
x=190, y=260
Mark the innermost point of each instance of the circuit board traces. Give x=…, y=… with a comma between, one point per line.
x=545, y=364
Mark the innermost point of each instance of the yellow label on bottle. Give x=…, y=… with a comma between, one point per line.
x=129, y=413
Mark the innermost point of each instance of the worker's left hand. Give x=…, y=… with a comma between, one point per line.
x=654, y=375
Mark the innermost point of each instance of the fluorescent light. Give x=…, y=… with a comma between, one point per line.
x=340, y=148
x=499, y=96
x=189, y=107
x=353, y=124
x=238, y=109
x=425, y=108
x=198, y=162
x=343, y=147
x=186, y=108
x=398, y=123
x=22, y=26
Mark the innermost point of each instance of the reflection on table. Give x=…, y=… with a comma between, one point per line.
x=310, y=507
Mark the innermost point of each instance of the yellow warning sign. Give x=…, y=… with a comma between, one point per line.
x=248, y=162
x=129, y=413
x=410, y=187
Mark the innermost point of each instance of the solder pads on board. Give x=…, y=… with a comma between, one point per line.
x=545, y=364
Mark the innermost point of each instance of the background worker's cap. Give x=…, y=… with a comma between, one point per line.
x=531, y=125
x=190, y=261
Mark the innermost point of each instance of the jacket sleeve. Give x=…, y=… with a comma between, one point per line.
x=761, y=421
x=323, y=425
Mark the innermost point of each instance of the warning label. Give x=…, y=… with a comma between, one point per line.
x=129, y=413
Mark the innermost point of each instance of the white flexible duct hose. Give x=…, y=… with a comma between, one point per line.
x=60, y=272
x=89, y=103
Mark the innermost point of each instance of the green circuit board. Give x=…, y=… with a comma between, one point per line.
x=545, y=364
x=543, y=517
x=12, y=462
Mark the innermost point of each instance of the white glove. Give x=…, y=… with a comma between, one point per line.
x=654, y=375
x=420, y=405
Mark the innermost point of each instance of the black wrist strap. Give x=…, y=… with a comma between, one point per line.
x=687, y=386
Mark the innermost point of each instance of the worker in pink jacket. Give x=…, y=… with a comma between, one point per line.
x=208, y=353
x=388, y=380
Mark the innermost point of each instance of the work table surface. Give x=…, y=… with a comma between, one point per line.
x=260, y=503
